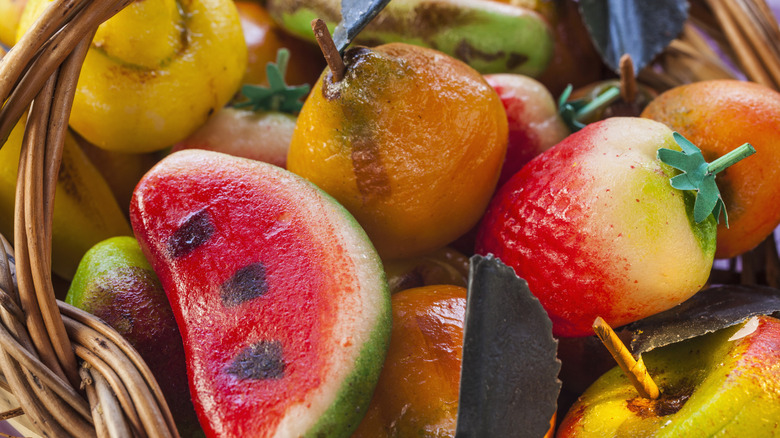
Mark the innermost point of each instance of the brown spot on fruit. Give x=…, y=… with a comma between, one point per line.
x=516, y=60
x=194, y=232
x=668, y=403
x=330, y=91
x=260, y=361
x=68, y=178
x=466, y=53
x=245, y=285
x=370, y=175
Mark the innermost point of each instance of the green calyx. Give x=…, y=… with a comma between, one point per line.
x=278, y=96
x=573, y=111
x=699, y=175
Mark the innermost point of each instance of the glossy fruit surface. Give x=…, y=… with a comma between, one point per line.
x=718, y=116
x=155, y=71
x=11, y=12
x=443, y=266
x=280, y=298
x=723, y=384
x=596, y=229
x=532, y=115
x=264, y=38
x=85, y=210
x=262, y=136
x=417, y=393
x=488, y=36
x=574, y=59
x=411, y=142
x=115, y=282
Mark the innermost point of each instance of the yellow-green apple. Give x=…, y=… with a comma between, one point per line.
x=115, y=282
x=725, y=383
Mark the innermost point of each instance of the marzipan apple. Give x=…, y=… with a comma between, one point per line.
x=534, y=122
x=725, y=383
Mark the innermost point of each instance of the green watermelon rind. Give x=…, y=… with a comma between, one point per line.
x=352, y=401
x=334, y=409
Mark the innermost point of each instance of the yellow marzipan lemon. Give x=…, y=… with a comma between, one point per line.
x=155, y=72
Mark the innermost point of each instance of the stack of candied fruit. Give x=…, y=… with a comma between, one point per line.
x=283, y=227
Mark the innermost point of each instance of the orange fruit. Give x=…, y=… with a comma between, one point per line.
x=410, y=141
x=417, y=393
x=718, y=116
x=418, y=389
x=443, y=266
x=264, y=38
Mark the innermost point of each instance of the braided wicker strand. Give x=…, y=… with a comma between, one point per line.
x=112, y=392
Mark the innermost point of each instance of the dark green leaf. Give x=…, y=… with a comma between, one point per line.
x=356, y=14
x=509, y=384
x=708, y=311
x=640, y=28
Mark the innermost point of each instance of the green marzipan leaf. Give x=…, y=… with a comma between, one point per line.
x=568, y=110
x=278, y=96
x=509, y=371
x=640, y=28
x=573, y=111
x=697, y=174
x=708, y=311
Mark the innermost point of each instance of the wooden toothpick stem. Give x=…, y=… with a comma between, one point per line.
x=328, y=48
x=633, y=369
x=627, y=79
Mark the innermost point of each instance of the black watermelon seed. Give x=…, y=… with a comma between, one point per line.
x=246, y=284
x=259, y=361
x=194, y=232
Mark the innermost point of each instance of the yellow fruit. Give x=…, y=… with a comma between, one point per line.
x=85, y=211
x=10, y=11
x=155, y=72
x=411, y=142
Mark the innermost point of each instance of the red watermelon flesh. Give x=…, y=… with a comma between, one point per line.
x=280, y=297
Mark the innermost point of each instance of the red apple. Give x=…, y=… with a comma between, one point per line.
x=595, y=227
x=263, y=136
x=534, y=123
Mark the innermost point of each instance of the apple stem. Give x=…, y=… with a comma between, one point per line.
x=633, y=369
x=328, y=48
x=730, y=158
x=601, y=101
x=628, y=85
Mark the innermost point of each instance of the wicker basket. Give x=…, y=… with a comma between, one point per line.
x=71, y=374
x=67, y=372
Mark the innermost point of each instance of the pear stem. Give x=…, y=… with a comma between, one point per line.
x=628, y=85
x=600, y=101
x=633, y=369
x=730, y=158
x=328, y=48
